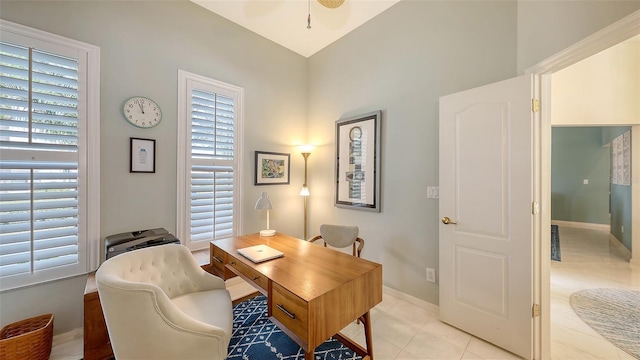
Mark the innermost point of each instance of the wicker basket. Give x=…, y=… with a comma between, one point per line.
x=27, y=339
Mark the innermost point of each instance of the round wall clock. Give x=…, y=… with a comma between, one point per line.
x=142, y=112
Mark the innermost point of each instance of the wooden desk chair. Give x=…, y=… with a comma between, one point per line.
x=340, y=236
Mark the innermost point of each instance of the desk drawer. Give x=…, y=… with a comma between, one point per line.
x=217, y=259
x=290, y=310
x=250, y=273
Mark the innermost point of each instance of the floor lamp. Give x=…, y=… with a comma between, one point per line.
x=304, y=192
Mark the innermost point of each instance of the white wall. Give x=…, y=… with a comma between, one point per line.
x=602, y=89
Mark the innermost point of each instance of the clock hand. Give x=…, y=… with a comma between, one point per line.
x=141, y=107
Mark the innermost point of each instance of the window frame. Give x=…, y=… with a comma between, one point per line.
x=184, y=159
x=88, y=57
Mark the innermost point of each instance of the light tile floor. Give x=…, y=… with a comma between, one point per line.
x=405, y=328
x=589, y=260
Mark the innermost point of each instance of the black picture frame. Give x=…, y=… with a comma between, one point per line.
x=358, y=162
x=142, y=155
x=272, y=168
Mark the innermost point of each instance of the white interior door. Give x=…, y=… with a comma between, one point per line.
x=486, y=189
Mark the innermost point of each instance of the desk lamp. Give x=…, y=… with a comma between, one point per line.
x=264, y=203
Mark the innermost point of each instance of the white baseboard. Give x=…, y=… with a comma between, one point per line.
x=68, y=336
x=618, y=244
x=410, y=299
x=582, y=225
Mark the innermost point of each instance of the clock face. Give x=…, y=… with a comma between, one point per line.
x=142, y=112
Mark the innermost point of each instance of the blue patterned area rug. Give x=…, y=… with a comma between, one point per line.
x=612, y=313
x=555, y=243
x=255, y=337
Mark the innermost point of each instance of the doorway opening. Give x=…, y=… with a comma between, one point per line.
x=619, y=32
x=592, y=255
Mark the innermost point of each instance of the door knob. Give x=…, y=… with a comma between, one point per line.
x=447, y=221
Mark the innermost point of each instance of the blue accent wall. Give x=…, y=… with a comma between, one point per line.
x=578, y=154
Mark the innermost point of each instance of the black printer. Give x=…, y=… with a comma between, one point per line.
x=119, y=243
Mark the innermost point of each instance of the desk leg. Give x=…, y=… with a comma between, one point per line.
x=366, y=353
x=366, y=321
x=308, y=355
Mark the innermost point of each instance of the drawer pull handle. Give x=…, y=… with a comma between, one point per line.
x=256, y=278
x=233, y=263
x=217, y=259
x=289, y=314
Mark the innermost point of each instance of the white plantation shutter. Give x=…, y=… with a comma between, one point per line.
x=38, y=216
x=49, y=121
x=44, y=202
x=208, y=195
x=212, y=130
x=211, y=202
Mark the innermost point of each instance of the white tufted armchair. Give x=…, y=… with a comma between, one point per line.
x=159, y=304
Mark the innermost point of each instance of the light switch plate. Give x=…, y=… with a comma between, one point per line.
x=431, y=275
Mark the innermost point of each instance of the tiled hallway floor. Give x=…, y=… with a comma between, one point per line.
x=589, y=260
x=408, y=329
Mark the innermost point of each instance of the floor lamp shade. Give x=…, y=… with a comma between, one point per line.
x=264, y=203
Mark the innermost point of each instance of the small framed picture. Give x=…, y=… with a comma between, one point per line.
x=271, y=168
x=142, y=155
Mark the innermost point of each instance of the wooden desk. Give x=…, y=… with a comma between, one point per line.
x=96, y=338
x=313, y=292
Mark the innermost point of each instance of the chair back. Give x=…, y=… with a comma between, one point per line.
x=340, y=236
x=156, y=266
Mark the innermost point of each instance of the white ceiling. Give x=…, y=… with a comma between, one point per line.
x=285, y=21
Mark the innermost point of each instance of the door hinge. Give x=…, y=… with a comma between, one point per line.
x=535, y=105
x=535, y=310
x=535, y=208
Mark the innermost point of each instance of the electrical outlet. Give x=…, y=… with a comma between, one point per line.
x=622, y=229
x=431, y=275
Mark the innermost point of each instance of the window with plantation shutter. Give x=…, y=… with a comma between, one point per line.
x=208, y=142
x=47, y=116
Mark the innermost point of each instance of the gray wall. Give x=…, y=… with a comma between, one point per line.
x=578, y=154
x=140, y=55
x=400, y=62
x=547, y=27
